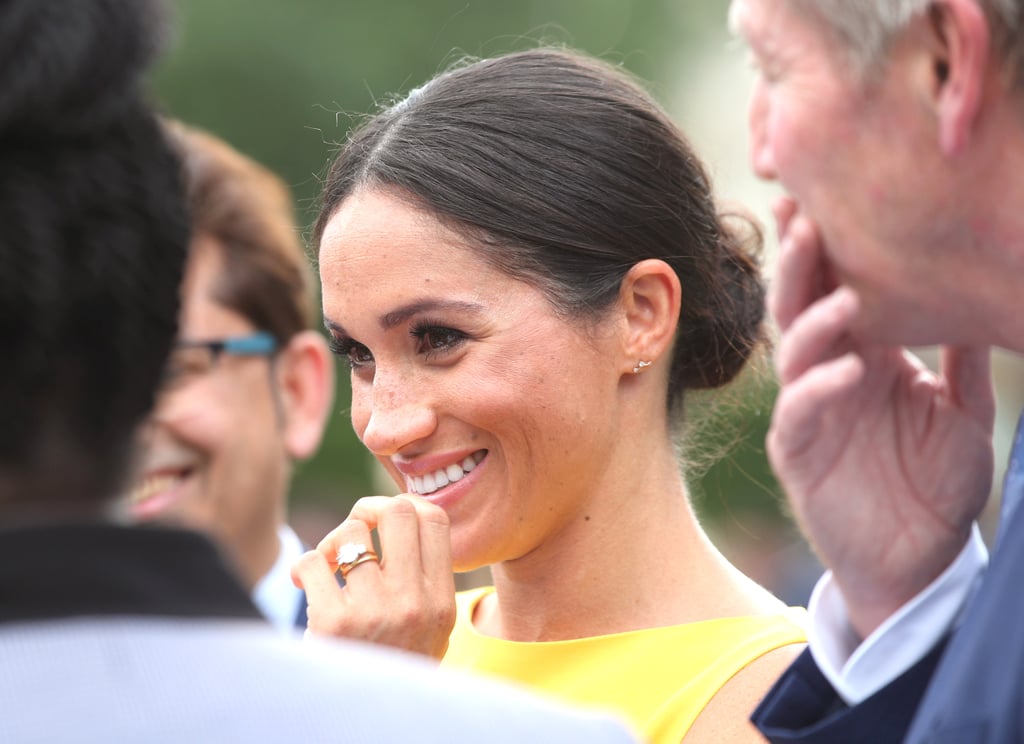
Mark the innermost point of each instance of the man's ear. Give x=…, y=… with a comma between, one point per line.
x=305, y=380
x=961, y=42
x=650, y=297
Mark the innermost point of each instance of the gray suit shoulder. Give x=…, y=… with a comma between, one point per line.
x=213, y=681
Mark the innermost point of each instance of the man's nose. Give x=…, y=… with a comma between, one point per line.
x=762, y=154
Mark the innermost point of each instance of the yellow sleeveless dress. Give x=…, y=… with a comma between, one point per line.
x=658, y=680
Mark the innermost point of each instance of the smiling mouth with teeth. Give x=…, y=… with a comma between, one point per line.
x=152, y=485
x=430, y=482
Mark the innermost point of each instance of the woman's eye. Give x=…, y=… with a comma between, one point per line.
x=351, y=351
x=434, y=339
x=359, y=356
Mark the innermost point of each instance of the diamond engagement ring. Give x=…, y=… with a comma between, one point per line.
x=351, y=555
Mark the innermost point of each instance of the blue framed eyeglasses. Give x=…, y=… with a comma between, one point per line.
x=191, y=360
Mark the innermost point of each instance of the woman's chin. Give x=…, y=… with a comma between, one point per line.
x=467, y=558
x=466, y=565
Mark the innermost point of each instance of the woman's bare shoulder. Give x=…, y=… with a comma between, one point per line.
x=726, y=719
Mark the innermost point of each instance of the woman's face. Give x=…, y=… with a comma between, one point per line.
x=466, y=385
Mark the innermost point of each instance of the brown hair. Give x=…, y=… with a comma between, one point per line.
x=248, y=210
x=565, y=173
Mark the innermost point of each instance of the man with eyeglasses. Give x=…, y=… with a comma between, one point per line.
x=248, y=386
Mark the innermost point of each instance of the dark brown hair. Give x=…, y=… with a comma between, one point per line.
x=248, y=210
x=565, y=173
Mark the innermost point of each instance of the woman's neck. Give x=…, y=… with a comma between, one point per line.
x=638, y=559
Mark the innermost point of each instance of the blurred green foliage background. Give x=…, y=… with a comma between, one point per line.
x=283, y=80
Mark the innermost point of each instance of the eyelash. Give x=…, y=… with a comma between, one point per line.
x=422, y=332
x=426, y=328
x=343, y=348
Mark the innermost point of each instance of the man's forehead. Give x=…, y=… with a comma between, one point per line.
x=750, y=19
x=779, y=28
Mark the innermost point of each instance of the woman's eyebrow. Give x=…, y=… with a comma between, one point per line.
x=334, y=328
x=402, y=314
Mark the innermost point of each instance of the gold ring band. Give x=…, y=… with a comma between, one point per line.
x=351, y=555
x=345, y=568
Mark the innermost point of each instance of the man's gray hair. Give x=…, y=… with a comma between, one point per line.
x=867, y=26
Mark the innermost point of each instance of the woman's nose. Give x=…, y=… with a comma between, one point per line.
x=393, y=416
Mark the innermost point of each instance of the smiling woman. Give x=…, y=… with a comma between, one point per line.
x=524, y=267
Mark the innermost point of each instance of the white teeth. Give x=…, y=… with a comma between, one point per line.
x=152, y=486
x=430, y=482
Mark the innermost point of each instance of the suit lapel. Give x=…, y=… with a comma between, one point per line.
x=1013, y=483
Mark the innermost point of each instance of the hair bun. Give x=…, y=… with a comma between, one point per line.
x=68, y=66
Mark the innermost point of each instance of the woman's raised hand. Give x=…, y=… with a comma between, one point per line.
x=406, y=599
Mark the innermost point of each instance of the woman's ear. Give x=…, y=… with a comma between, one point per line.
x=305, y=380
x=650, y=297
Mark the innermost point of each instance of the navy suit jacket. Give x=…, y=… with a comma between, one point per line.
x=969, y=691
x=300, y=616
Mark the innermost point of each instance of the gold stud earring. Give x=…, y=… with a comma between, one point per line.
x=640, y=366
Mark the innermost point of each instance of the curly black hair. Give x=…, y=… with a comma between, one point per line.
x=93, y=239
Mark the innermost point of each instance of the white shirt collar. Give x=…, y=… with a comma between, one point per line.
x=275, y=595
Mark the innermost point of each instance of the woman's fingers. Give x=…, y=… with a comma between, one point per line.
x=302, y=570
x=414, y=534
x=353, y=535
x=352, y=531
x=325, y=605
x=435, y=537
x=407, y=600
x=399, y=532
x=416, y=546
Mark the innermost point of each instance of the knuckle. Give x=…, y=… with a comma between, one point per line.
x=368, y=509
x=365, y=503
x=445, y=614
x=437, y=517
x=429, y=513
x=406, y=613
x=351, y=528
x=426, y=512
x=402, y=507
